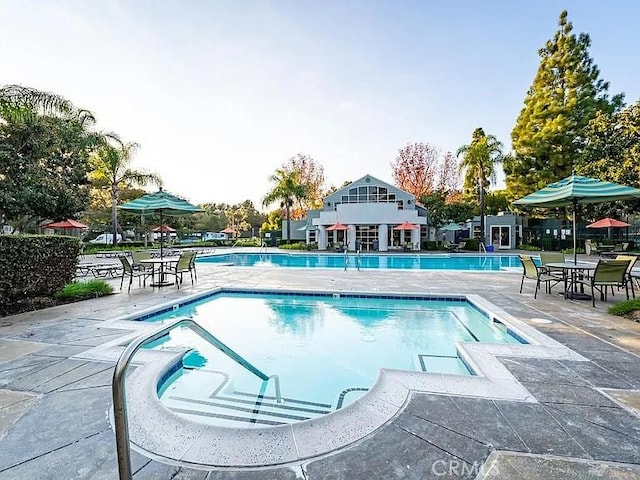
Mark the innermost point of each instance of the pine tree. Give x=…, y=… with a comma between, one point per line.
x=566, y=94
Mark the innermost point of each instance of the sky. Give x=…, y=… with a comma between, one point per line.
x=219, y=94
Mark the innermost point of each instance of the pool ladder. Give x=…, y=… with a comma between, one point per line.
x=118, y=389
x=358, y=259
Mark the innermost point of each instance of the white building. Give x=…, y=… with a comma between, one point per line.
x=371, y=210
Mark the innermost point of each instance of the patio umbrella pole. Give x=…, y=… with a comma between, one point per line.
x=575, y=232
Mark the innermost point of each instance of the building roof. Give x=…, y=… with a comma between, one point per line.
x=367, y=180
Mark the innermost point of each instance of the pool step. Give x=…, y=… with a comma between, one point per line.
x=232, y=409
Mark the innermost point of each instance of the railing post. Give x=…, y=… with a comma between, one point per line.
x=119, y=394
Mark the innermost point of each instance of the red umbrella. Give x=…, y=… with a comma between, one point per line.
x=407, y=226
x=164, y=229
x=608, y=222
x=228, y=230
x=66, y=225
x=337, y=226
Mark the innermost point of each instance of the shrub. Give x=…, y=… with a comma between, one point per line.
x=294, y=246
x=429, y=245
x=34, y=267
x=570, y=250
x=471, y=243
x=247, y=242
x=529, y=248
x=625, y=307
x=83, y=290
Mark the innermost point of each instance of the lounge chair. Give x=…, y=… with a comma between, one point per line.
x=534, y=272
x=608, y=273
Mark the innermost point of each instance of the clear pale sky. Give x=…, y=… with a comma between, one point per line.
x=220, y=93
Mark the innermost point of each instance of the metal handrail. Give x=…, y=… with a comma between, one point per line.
x=346, y=258
x=118, y=387
x=358, y=260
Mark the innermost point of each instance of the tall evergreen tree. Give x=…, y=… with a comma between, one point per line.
x=566, y=94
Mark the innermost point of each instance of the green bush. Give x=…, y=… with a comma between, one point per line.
x=34, y=267
x=101, y=247
x=294, y=246
x=624, y=307
x=429, y=245
x=471, y=244
x=247, y=242
x=82, y=290
x=529, y=248
x=570, y=250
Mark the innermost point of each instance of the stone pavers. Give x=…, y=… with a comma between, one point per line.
x=54, y=407
x=509, y=466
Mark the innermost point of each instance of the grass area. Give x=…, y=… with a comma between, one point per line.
x=625, y=307
x=83, y=290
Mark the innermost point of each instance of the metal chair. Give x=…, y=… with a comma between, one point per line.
x=128, y=270
x=534, y=272
x=552, y=257
x=629, y=274
x=608, y=273
x=183, y=265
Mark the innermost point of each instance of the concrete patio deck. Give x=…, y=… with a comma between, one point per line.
x=585, y=424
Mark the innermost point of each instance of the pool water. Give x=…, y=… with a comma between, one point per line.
x=326, y=351
x=367, y=261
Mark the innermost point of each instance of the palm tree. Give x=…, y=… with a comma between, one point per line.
x=287, y=190
x=19, y=103
x=110, y=163
x=479, y=160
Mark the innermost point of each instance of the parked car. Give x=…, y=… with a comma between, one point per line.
x=106, y=239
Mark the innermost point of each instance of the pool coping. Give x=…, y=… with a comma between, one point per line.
x=326, y=253
x=164, y=435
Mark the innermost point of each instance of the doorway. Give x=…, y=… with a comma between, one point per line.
x=501, y=237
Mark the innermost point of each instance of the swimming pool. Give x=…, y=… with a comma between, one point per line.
x=367, y=261
x=326, y=350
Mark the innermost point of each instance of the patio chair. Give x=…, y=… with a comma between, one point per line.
x=629, y=274
x=534, y=272
x=136, y=256
x=128, y=271
x=183, y=265
x=552, y=257
x=608, y=273
x=192, y=265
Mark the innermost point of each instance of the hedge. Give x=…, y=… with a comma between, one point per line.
x=33, y=267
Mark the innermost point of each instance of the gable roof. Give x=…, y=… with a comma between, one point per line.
x=372, y=180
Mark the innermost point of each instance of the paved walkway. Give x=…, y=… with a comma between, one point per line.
x=586, y=424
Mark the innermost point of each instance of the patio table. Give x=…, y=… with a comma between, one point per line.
x=570, y=272
x=162, y=262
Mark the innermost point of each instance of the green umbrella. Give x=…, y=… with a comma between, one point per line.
x=451, y=227
x=163, y=203
x=574, y=190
